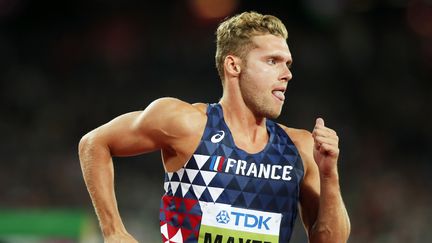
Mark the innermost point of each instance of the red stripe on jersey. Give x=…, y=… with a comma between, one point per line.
x=221, y=162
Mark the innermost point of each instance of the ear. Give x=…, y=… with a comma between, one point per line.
x=232, y=65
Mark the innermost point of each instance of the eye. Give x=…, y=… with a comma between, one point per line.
x=271, y=61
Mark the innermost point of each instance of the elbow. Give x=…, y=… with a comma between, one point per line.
x=84, y=144
x=87, y=146
x=325, y=234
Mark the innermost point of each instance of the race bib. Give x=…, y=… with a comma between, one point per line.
x=222, y=223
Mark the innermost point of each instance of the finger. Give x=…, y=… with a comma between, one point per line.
x=324, y=131
x=329, y=149
x=326, y=140
x=319, y=122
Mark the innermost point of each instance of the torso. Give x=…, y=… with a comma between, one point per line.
x=222, y=191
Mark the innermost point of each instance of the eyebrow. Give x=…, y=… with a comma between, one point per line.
x=280, y=57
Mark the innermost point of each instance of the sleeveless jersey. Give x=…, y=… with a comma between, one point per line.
x=225, y=195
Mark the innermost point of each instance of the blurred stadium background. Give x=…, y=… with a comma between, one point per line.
x=66, y=67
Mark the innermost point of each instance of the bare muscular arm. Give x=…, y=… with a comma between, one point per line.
x=167, y=124
x=322, y=209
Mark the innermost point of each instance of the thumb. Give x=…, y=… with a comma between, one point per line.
x=319, y=121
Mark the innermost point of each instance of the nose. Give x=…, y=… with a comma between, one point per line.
x=286, y=74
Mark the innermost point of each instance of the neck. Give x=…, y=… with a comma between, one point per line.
x=248, y=129
x=243, y=121
x=239, y=113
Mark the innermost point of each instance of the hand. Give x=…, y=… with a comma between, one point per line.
x=326, y=148
x=120, y=238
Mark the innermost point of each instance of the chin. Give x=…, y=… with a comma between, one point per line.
x=267, y=110
x=273, y=114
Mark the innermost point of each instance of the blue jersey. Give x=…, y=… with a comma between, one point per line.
x=224, y=194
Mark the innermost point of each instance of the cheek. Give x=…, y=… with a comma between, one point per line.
x=253, y=80
x=266, y=73
x=260, y=69
x=260, y=74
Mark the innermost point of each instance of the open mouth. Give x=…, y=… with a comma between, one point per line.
x=279, y=94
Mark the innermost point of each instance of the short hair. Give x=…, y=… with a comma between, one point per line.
x=234, y=35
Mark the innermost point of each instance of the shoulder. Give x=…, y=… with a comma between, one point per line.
x=169, y=107
x=301, y=137
x=173, y=116
x=303, y=141
x=178, y=106
x=177, y=127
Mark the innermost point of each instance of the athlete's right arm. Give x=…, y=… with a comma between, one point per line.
x=129, y=134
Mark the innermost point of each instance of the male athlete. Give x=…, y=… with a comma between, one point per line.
x=232, y=174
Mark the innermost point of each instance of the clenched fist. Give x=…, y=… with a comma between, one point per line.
x=326, y=148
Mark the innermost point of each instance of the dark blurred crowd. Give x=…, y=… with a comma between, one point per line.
x=365, y=66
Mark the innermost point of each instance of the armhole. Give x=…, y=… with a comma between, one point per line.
x=289, y=139
x=207, y=109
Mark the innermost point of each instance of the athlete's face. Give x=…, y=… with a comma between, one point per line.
x=265, y=75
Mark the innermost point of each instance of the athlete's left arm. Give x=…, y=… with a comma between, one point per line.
x=322, y=209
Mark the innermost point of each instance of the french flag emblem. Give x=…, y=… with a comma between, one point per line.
x=217, y=163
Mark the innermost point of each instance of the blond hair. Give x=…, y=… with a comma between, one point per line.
x=234, y=35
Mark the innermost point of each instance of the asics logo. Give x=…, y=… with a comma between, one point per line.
x=218, y=137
